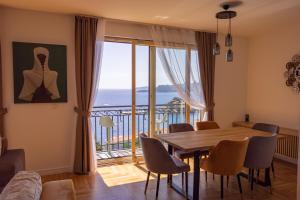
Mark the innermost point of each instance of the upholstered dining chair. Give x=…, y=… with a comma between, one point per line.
x=159, y=161
x=205, y=125
x=271, y=128
x=181, y=127
x=226, y=159
x=260, y=154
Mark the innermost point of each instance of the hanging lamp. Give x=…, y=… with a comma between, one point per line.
x=227, y=15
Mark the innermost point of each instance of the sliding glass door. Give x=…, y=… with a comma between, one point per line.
x=136, y=93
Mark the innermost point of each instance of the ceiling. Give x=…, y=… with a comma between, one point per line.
x=254, y=16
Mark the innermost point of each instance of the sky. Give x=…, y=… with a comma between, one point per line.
x=116, y=67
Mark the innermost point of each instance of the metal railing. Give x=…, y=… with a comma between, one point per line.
x=120, y=138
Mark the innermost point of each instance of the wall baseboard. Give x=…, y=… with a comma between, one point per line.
x=286, y=158
x=58, y=170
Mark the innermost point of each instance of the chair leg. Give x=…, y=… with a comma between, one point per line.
x=257, y=175
x=227, y=181
x=239, y=182
x=206, y=176
x=182, y=179
x=213, y=176
x=146, y=186
x=252, y=178
x=222, y=188
x=249, y=175
x=188, y=161
x=268, y=179
x=186, y=185
x=157, y=185
x=182, y=175
x=273, y=170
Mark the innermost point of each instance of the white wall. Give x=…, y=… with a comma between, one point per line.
x=268, y=98
x=230, y=83
x=45, y=131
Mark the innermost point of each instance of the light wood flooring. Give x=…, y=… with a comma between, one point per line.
x=120, y=179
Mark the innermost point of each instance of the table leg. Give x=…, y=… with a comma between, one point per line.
x=196, y=175
x=169, y=178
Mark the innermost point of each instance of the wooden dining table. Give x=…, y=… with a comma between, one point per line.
x=198, y=143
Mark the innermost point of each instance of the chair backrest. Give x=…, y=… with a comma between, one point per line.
x=266, y=127
x=207, y=125
x=260, y=152
x=228, y=157
x=182, y=127
x=156, y=157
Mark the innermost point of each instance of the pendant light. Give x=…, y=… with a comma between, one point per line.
x=216, y=48
x=226, y=14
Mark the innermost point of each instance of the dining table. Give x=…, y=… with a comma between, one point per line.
x=201, y=141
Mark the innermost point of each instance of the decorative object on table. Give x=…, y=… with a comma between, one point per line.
x=292, y=73
x=247, y=118
x=40, y=73
x=226, y=14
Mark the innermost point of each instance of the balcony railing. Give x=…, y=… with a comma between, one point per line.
x=121, y=137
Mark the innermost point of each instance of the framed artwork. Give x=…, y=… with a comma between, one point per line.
x=292, y=73
x=40, y=73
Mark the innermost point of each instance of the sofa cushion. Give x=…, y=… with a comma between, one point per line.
x=62, y=190
x=24, y=185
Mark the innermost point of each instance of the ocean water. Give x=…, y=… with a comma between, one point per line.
x=107, y=97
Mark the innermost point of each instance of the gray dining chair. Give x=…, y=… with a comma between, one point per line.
x=271, y=128
x=159, y=161
x=260, y=154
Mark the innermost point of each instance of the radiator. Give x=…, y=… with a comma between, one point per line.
x=287, y=148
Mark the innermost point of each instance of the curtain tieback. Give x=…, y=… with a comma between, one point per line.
x=82, y=112
x=209, y=108
x=3, y=111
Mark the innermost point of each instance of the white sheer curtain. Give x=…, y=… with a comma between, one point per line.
x=96, y=79
x=179, y=57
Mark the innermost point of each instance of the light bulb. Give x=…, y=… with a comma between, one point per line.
x=229, y=55
x=228, y=40
x=216, y=49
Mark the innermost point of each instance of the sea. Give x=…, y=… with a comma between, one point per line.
x=120, y=134
x=122, y=97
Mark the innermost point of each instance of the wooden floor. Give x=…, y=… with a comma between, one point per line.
x=120, y=179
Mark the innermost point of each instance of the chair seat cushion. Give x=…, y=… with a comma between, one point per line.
x=24, y=185
x=62, y=190
x=181, y=166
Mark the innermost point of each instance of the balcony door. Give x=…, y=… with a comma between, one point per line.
x=136, y=94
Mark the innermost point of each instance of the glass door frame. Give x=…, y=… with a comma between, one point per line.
x=152, y=85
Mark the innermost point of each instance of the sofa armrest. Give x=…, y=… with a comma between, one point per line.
x=11, y=162
x=62, y=190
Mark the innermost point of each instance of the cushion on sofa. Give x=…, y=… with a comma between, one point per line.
x=24, y=185
x=62, y=190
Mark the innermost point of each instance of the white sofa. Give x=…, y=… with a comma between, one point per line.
x=28, y=186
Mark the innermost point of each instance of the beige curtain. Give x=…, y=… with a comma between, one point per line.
x=205, y=42
x=85, y=40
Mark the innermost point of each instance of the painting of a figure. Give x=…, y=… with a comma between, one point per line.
x=39, y=73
